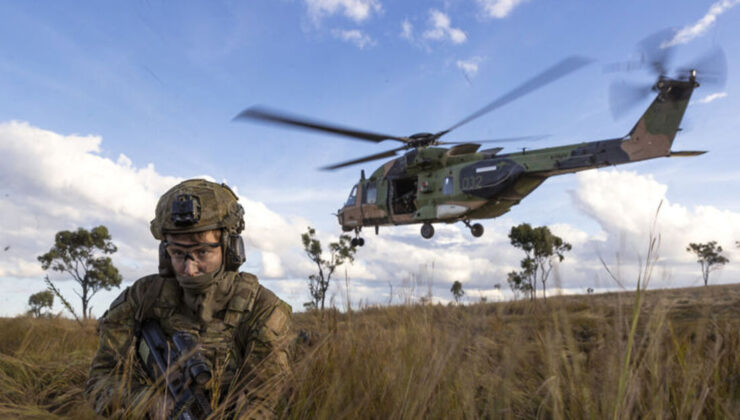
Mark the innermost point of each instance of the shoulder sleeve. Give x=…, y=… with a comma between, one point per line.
x=264, y=336
x=115, y=378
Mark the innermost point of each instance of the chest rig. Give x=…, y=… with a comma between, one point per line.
x=218, y=339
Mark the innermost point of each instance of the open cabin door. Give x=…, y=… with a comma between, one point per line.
x=402, y=198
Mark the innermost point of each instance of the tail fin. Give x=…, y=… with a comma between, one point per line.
x=653, y=134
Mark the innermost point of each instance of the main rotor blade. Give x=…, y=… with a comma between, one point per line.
x=553, y=73
x=625, y=66
x=376, y=156
x=281, y=118
x=501, y=140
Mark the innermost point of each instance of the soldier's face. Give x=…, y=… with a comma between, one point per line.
x=194, y=257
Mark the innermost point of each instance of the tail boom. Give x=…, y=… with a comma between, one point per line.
x=654, y=133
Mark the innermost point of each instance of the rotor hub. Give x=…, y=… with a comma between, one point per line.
x=421, y=139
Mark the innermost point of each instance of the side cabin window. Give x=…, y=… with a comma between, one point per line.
x=352, y=199
x=448, y=186
x=370, y=193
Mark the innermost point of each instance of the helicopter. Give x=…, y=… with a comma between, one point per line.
x=431, y=184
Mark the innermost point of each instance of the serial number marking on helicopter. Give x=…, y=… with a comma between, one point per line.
x=486, y=169
x=471, y=182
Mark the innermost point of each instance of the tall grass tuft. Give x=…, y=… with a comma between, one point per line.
x=647, y=354
x=43, y=367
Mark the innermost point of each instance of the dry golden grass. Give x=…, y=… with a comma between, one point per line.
x=563, y=359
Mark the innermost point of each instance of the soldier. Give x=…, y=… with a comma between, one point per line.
x=241, y=326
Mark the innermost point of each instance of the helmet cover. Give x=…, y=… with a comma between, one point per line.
x=197, y=205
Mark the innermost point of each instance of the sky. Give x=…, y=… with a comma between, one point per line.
x=103, y=107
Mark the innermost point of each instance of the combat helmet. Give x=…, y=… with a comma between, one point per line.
x=197, y=205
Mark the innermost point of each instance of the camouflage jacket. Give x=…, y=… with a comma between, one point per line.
x=246, y=345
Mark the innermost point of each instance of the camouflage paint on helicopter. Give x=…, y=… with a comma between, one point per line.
x=435, y=184
x=431, y=184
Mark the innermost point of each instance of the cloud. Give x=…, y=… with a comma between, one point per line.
x=625, y=205
x=499, y=9
x=271, y=265
x=690, y=32
x=54, y=182
x=441, y=29
x=355, y=37
x=712, y=97
x=469, y=66
x=356, y=10
x=407, y=30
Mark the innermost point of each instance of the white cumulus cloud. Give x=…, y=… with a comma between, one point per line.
x=52, y=182
x=407, y=30
x=355, y=37
x=469, y=66
x=499, y=8
x=625, y=203
x=690, y=32
x=712, y=97
x=441, y=29
x=356, y=10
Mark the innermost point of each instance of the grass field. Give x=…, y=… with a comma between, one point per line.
x=676, y=356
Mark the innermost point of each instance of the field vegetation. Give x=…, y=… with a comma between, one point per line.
x=658, y=354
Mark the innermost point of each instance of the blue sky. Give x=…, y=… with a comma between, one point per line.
x=84, y=84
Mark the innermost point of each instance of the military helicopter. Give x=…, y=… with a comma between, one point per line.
x=431, y=184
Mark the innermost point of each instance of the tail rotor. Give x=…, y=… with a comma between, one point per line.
x=656, y=55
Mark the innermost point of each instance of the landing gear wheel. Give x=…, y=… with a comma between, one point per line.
x=477, y=230
x=360, y=241
x=427, y=230
x=355, y=242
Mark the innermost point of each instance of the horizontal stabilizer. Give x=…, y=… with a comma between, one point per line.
x=687, y=153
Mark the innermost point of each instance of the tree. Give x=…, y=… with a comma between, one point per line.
x=77, y=254
x=457, y=291
x=39, y=301
x=542, y=248
x=709, y=256
x=339, y=253
x=521, y=281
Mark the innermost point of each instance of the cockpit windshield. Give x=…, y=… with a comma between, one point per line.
x=352, y=199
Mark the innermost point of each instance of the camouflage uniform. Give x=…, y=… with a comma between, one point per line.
x=243, y=335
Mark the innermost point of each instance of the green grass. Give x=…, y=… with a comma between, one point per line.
x=567, y=358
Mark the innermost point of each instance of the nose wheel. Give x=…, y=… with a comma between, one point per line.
x=475, y=229
x=427, y=230
x=357, y=241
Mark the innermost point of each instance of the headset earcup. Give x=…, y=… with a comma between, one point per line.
x=165, y=263
x=235, y=254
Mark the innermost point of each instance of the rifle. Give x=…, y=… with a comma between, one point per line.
x=183, y=367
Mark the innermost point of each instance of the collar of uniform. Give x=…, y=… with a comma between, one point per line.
x=212, y=300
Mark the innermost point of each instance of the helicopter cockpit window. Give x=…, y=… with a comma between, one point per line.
x=352, y=199
x=447, y=187
x=370, y=193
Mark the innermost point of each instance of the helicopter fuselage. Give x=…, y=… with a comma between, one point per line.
x=440, y=185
